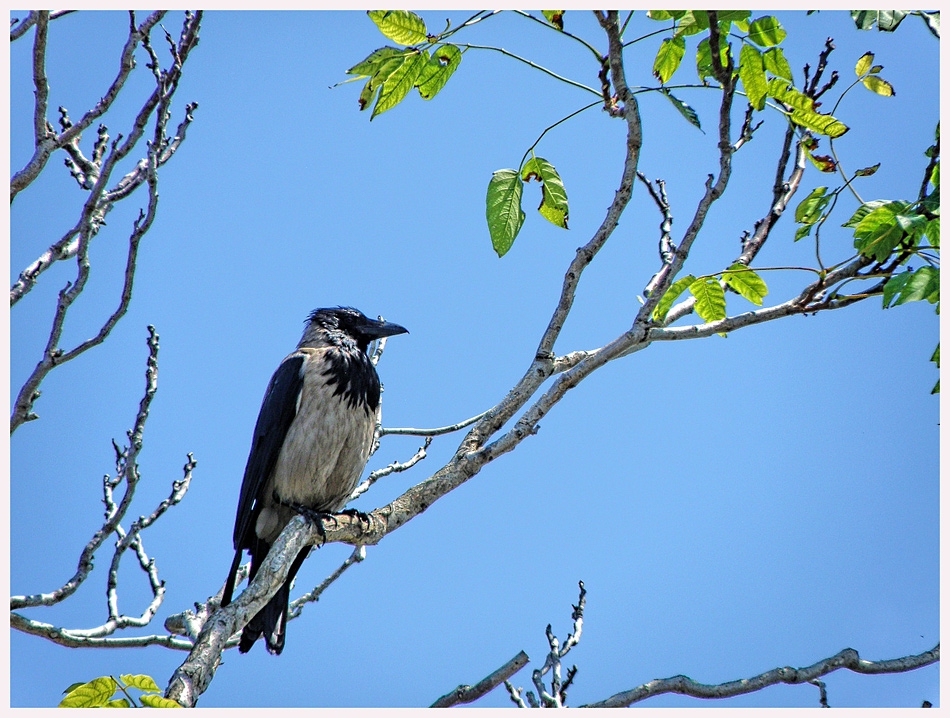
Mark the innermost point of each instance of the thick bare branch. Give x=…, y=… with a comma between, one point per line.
x=848, y=658
x=467, y=694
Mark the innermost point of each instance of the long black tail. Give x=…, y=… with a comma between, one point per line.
x=270, y=621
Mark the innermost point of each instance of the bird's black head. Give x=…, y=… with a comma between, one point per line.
x=346, y=322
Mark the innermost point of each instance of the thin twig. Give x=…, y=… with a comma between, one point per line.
x=468, y=694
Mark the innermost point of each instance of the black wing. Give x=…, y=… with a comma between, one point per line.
x=277, y=413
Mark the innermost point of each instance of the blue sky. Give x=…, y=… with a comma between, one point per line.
x=732, y=505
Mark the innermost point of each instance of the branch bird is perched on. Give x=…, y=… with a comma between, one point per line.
x=311, y=442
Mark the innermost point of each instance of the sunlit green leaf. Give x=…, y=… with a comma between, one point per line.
x=879, y=232
x=685, y=110
x=924, y=284
x=822, y=124
x=438, y=69
x=780, y=89
x=867, y=171
x=367, y=94
x=710, y=299
x=503, y=209
x=766, y=31
x=864, y=64
x=692, y=22
x=809, y=209
x=704, y=66
x=377, y=58
x=865, y=209
x=401, y=26
x=752, y=74
x=399, y=83
x=555, y=17
x=879, y=85
x=776, y=63
x=666, y=301
x=746, y=282
x=668, y=57
x=93, y=694
x=142, y=682
x=118, y=703
x=933, y=232
x=803, y=231
x=886, y=20
x=151, y=700
x=554, y=206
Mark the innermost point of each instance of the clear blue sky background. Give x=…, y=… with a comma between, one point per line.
x=732, y=505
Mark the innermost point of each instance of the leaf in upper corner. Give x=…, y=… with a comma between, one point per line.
x=886, y=20
x=766, y=31
x=879, y=85
x=685, y=110
x=746, y=283
x=704, y=66
x=399, y=83
x=438, y=69
x=668, y=57
x=710, y=299
x=752, y=74
x=555, y=17
x=401, y=26
x=503, y=209
x=663, y=307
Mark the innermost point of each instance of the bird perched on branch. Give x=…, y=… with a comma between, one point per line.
x=311, y=442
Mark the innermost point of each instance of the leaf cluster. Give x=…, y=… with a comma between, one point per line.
x=100, y=693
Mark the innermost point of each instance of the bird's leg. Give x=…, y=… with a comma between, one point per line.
x=357, y=514
x=316, y=517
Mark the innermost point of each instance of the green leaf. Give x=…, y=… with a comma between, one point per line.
x=118, y=703
x=400, y=26
x=661, y=15
x=752, y=74
x=865, y=209
x=886, y=20
x=933, y=232
x=809, y=209
x=781, y=90
x=914, y=225
x=710, y=299
x=879, y=85
x=935, y=358
x=685, y=110
x=879, y=232
x=554, y=215
x=802, y=232
x=93, y=694
x=375, y=61
x=367, y=94
x=913, y=287
x=152, y=700
x=704, y=66
x=397, y=85
x=867, y=171
x=503, y=209
x=692, y=22
x=766, y=31
x=553, y=195
x=776, y=63
x=666, y=301
x=438, y=69
x=864, y=64
x=73, y=687
x=746, y=282
x=141, y=681
x=822, y=124
x=555, y=17
x=933, y=24
x=668, y=57
x=737, y=16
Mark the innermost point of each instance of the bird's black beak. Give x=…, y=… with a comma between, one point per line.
x=376, y=329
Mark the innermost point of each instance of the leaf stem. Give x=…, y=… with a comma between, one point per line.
x=563, y=119
x=532, y=64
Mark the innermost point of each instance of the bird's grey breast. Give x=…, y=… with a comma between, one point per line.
x=329, y=440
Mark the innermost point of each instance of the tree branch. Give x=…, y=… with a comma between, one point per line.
x=468, y=694
x=848, y=658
